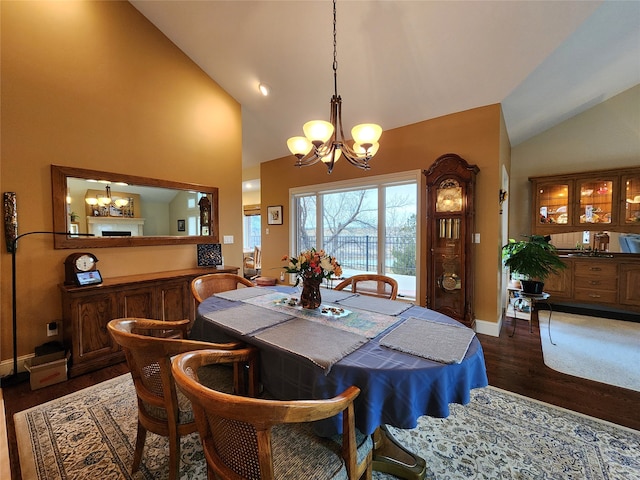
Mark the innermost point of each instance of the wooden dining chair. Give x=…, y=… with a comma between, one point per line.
x=206, y=285
x=371, y=284
x=252, y=264
x=257, y=439
x=161, y=408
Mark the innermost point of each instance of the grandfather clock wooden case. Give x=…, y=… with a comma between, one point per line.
x=450, y=220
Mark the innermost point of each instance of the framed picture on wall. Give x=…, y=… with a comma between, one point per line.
x=181, y=226
x=274, y=215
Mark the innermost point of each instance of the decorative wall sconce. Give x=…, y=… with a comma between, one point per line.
x=10, y=220
x=503, y=197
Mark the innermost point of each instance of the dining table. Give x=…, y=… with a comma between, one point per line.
x=407, y=360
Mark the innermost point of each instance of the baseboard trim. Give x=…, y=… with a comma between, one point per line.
x=486, y=327
x=6, y=366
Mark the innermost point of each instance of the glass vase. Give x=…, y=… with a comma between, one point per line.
x=310, y=296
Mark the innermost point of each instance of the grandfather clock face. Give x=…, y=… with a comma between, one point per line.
x=449, y=196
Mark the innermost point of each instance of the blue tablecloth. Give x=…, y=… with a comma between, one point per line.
x=396, y=388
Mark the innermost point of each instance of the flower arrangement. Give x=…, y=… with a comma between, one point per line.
x=312, y=264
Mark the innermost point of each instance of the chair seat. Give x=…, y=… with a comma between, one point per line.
x=299, y=453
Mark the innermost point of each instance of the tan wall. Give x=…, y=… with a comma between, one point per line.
x=95, y=85
x=605, y=136
x=475, y=135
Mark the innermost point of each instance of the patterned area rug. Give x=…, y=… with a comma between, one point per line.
x=90, y=434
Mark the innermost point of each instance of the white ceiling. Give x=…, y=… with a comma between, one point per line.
x=401, y=62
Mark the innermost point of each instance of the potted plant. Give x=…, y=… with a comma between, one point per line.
x=534, y=259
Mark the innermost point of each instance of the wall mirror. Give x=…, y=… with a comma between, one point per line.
x=124, y=210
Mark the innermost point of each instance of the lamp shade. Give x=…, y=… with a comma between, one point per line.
x=336, y=155
x=299, y=146
x=366, y=133
x=318, y=131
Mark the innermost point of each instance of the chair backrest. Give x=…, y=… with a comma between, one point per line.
x=149, y=353
x=371, y=284
x=257, y=257
x=206, y=285
x=236, y=432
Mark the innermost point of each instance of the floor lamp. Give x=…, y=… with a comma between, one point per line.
x=19, y=377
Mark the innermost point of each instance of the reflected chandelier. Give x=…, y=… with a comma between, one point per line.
x=324, y=141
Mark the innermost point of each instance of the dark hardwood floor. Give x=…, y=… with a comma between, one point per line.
x=513, y=363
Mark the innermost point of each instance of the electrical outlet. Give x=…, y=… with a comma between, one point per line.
x=52, y=329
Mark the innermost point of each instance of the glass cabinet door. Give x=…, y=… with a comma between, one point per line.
x=553, y=204
x=596, y=201
x=631, y=206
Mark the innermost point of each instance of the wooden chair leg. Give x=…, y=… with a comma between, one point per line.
x=141, y=437
x=174, y=456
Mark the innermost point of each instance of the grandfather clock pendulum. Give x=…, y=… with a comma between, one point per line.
x=450, y=219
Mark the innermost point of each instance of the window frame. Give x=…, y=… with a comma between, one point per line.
x=378, y=181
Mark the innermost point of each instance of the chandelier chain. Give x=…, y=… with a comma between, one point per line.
x=335, y=52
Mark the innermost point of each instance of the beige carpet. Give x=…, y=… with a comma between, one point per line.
x=600, y=349
x=90, y=435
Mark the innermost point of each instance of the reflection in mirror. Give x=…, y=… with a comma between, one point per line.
x=123, y=210
x=602, y=241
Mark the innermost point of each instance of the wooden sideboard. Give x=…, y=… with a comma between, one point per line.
x=603, y=281
x=87, y=310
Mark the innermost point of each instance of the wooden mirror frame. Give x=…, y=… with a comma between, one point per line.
x=59, y=175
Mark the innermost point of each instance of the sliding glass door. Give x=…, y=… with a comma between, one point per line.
x=369, y=228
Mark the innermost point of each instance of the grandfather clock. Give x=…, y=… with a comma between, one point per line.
x=450, y=219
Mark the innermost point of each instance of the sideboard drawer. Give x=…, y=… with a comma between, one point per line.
x=595, y=268
x=595, y=295
x=609, y=284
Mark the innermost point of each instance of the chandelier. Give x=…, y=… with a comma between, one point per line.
x=325, y=141
x=104, y=200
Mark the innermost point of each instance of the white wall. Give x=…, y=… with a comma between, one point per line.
x=606, y=136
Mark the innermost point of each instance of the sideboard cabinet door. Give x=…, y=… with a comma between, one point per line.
x=174, y=300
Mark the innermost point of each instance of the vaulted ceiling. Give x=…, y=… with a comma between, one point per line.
x=401, y=62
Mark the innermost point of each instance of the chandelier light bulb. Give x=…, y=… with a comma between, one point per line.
x=318, y=131
x=91, y=201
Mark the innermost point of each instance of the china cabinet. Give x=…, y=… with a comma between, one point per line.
x=599, y=200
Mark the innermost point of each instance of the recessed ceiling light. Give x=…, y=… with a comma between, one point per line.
x=264, y=89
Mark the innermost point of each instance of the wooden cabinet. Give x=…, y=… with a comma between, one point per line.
x=560, y=285
x=599, y=200
x=595, y=281
x=605, y=282
x=87, y=310
x=630, y=285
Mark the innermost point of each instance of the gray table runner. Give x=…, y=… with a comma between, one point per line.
x=333, y=296
x=374, y=304
x=245, y=318
x=441, y=342
x=243, y=293
x=321, y=344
